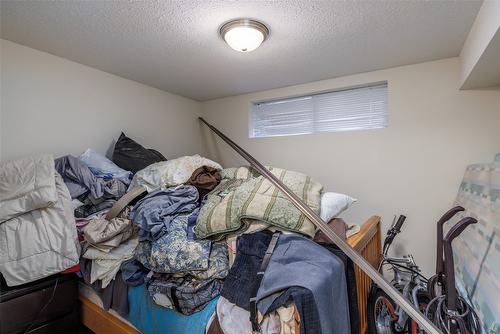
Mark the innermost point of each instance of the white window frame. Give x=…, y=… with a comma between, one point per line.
x=381, y=114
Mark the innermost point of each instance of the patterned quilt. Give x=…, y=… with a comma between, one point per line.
x=477, y=249
x=244, y=196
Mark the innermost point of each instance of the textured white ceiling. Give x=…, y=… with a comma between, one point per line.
x=174, y=45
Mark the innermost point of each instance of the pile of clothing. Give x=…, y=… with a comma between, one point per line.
x=206, y=235
x=108, y=244
x=195, y=232
x=314, y=279
x=94, y=182
x=299, y=276
x=185, y=272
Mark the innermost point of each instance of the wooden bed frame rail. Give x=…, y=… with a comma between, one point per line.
x=367, y=242
x=100, y=321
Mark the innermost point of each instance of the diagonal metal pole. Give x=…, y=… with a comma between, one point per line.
x=413, y=312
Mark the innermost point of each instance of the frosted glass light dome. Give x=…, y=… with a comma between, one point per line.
x=244, y=35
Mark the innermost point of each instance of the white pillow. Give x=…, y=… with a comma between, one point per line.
x=333, y=204
x=101, y=166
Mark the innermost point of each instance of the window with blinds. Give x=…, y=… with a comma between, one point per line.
x=344, y=110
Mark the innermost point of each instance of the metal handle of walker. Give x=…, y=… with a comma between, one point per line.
x=439, y=252
x=451, y=291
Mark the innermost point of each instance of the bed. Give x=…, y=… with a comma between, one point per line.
x=367, y=242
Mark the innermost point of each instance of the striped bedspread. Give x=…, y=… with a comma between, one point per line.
x=243, y=196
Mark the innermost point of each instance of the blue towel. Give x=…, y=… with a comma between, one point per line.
x=150, y=318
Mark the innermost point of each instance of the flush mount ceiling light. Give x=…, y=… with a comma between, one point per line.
x=244, y=35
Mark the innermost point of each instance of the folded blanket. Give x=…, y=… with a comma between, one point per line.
x=173, y=253
x=197, y=261
x=25, y=185
x=244, y=194
x=37, y=226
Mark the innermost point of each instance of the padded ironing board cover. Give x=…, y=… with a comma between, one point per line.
x=477, y=249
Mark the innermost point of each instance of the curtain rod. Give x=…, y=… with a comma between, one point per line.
x=410, y=309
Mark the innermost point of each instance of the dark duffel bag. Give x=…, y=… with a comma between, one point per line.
x=132, y=156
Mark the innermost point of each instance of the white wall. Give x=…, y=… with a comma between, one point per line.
x=480, y=54
x=50, y=104
x=413, y=167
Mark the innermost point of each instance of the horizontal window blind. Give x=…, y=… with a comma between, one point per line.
x=351, y=109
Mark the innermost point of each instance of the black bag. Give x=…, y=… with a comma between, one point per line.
x=131, y=156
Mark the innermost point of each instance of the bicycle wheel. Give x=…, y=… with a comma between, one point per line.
x=381, y=313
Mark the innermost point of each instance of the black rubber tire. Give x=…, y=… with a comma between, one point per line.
x=376, y=294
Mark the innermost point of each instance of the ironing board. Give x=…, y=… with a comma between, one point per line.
x=477, y=249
